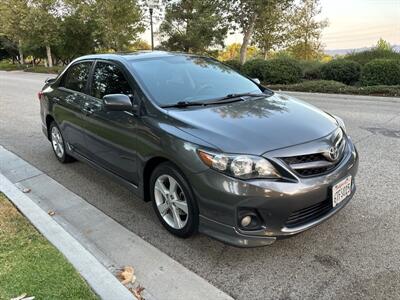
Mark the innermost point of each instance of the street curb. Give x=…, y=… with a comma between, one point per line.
x=343, y=97
x=108, y=241
x=103, y=283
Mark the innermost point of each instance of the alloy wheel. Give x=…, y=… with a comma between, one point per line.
x=57, y=142
x=171, y=201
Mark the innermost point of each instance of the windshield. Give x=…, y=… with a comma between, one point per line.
x=174, y=79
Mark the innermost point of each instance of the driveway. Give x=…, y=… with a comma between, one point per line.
x=354, y=255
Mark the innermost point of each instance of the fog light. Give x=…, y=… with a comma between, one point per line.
x=245, y=221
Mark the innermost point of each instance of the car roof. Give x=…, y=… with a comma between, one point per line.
x=131, y=56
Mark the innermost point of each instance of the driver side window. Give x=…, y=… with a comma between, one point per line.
x=109, y=79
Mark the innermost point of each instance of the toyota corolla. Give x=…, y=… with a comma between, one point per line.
x=213, y=150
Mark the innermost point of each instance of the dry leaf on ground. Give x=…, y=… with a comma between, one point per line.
x=137, y=292
x=127, y=275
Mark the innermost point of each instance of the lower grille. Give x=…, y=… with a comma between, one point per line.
x=306, y=215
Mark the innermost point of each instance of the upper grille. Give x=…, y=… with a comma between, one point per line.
x=308, y=214
x=315, y=164
x=304, y=158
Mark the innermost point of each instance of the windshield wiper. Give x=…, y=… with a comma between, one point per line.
x=180, y=104
x=226, y=99
x=230, y=96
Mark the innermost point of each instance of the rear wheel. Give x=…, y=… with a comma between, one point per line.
x=58, y=144
x=173, y=201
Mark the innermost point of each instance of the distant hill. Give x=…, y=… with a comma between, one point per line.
x=345, y=51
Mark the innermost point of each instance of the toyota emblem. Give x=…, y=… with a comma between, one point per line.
x=333, y=153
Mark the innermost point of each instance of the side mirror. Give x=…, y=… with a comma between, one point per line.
x=117, y=102
x=256, y=80
x=50, y=80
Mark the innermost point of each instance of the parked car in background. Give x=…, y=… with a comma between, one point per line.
x=213, y=150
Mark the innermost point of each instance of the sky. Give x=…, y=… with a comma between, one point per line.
x=352, y=23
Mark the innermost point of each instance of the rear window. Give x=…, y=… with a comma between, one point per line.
x=77, y=76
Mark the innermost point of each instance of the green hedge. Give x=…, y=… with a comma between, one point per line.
x=341, y=70
x=334, y=87
x=279, y=70
x=311, y=69
x=282, y=71
x=28, y=68
x=381, y=72
x=234, y=64
x=365, y=57
x=255, y=68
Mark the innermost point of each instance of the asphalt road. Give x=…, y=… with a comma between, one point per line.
x=354, y=255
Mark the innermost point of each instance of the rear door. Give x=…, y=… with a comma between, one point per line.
x=111, y=135
x=68, y=99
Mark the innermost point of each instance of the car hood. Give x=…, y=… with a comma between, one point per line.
x=255, y=126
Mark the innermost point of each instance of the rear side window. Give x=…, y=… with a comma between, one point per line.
x=109, y=79
x=77, y=76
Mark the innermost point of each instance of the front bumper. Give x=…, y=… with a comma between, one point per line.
x=220, y=197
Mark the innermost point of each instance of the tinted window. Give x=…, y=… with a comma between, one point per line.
x=189, y=78
x=77, y=76
x=108, y=79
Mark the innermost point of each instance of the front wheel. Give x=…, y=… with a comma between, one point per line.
x=173, y=201
x=58, y=144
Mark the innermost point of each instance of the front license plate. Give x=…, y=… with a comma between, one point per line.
x=341, y=191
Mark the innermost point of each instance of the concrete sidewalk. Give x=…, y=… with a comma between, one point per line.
x=106, y=240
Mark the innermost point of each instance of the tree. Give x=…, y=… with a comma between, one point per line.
x=119, y=22
x=44, y=24
x=13, y=25
x=383, y=45
x=305, y=30
x=232, y=52
x=193, y=25
x=245, y=14
x=270, y=32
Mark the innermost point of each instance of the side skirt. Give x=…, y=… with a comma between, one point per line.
x=129, y=185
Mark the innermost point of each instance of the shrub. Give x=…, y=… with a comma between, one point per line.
x=381, y=72
x=341, y=70
x=365, y=57
x=7, y=66
x=311, y=69
x=282, y=70
x=334, y=87
x=255, y=68
x=43, y=69
x=234, y=64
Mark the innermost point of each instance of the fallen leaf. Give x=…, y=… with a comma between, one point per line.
x=137, y=292
x=51, y=212
x=26, y=190
x=127, y=275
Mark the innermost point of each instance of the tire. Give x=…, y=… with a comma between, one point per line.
x=174, y=219
x=58, y=144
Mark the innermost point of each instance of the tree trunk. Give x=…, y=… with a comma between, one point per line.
x=265, y=54
x=247, y=34
x=21, y=54
x=49, y=58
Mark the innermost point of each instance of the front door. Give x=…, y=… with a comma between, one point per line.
x=110, y=135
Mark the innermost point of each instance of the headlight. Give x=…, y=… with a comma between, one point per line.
x=341, y=123
x=239, y=166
